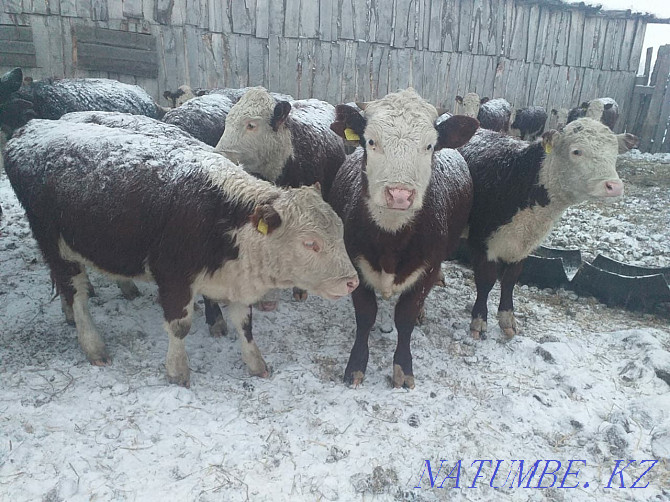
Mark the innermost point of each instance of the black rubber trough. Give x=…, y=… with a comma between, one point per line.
x=550, y=267
x=619, y=284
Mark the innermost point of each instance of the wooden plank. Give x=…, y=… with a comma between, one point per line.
x=258, y=56
x=325, y=21
x=627, y=45
x=588, y=35
x=380, y=26
x=18, y=47
x=380, y=70
x=334, y=91
x=47, y=34
x=13, y=6
x=475, y=43
x=598, y=55
x=464, y=21
x=510, y=12
x=99, y=10
x=149, y=10
x=443, y=99
x=22, y=60
x=349, y=72
x=163, y=13
x=423, y=36
x=288, y=49
x=68, y=8
x=536, y=22
x=322, y=65
x=218, y=17
x=435, y=26
x=262, y=18
x=450, y=25
x=16, y=33
x=39, y=7
x=133, y=8
x=654, y=119
x=617, y=49
x=361, y=20
x=363, y=81
x=115, y=38
x=193, y=13
x=519, y=38
x=575, y=40
x=276, y=18
x=638, y=40
x=562, y=40
x=429, y=84
x=292, y=18
x=273, y=62
x=309, y=19
x=192, y=45
x=403, y=24
x=243, y=16
x=345, y=15
x=84, y=9
x=120, y=60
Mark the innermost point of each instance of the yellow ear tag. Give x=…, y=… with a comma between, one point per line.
x=547, y=148
x=350, y=135
x=262, y=226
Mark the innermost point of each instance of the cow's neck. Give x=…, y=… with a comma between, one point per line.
x=271, y=156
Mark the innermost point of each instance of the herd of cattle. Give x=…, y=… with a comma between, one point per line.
x=237, y=192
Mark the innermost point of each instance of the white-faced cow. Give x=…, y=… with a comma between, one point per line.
x=521, y=190
x=139, y=206
x=404, y=198
x=605, y=110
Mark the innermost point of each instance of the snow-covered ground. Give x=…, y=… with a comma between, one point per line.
x=581, y=382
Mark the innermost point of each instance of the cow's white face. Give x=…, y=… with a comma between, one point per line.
x=400, y=137
x=185, y=95
x=582, y=161
x=308, y=245
x=471, y=104
x=256, y=135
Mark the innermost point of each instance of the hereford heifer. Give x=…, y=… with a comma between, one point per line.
x=529, y=122
x=404, y=200
x=605, y=110
x=138, y=206
x=521, y=190
x=204, y=117
x=184, y=93
x=289, y=144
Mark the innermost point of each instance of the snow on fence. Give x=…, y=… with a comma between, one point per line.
x=530, y=52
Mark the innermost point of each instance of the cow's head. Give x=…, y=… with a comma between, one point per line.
x=14, y=111
x=399, y=135
x=583, y=160
x=470, y=104
x=256, y=134
x=304, y=239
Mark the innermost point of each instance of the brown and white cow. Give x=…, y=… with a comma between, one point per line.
x=605, y=110
x=404, y=198
x=521, y=190
x=139, y=206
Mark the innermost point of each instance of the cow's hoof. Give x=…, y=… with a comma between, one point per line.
x=257, y=366
x=439, y=281
x=478, y=329
x=508, y=324
x=181, y=380
x=267, y=306
x=129, y=290
x=299, y=295
x=260, y=372
x=401, y=380
x=100, y=360
x=355, y=379
x=219, y=328
x=67, y=311
x=421, y=317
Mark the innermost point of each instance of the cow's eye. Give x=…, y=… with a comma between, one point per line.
x=313, y=245
x=577, y=152
x=251, y=126
x=371, y=142
x=429, y=147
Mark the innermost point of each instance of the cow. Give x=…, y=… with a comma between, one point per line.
x=140, y=206
x=468, y=105
x=184, y=93
x=495, y=114
x=52, y=98
x=404, y=197
x=529, y=122
x=287, y=143
x=204, y=117
x=605, y=110
x=558, y=118
x=521, y=190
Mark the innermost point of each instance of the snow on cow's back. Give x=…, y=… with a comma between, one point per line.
x=313, y=112
x=137, y=123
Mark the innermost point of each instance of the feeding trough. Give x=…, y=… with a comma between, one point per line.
x=550, y=267
x=619, y=284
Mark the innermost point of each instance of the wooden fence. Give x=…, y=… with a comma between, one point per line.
x=530, y=52
x=649, y=113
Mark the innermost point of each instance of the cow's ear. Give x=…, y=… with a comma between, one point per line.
x=608, y=106
x=584, y=105
x=548, y=139
x=554, y=111
x=456, y=131
x=459, y=99
x=627, y=141
x=349, y=124
x=484, y=101
x=281, y=111
x=265, y=219
x=11, y=82
x=167, y=95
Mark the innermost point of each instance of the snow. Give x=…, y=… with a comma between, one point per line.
x=581, y=381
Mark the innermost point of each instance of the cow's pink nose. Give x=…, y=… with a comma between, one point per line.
x=352, y=284
x=613, y=188
x=399, y=198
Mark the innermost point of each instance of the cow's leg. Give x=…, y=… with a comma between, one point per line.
x=176, y=299
x=408, y=308
x=67, y=310
x=365, y=305
x=128, y=289
x=240, y=315
x=510, y=274
x=214, y=318
x=299, y=295
x=269, y=301
x=89, y=338
x=485, y=279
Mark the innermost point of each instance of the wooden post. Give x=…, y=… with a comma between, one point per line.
x=661, y=72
